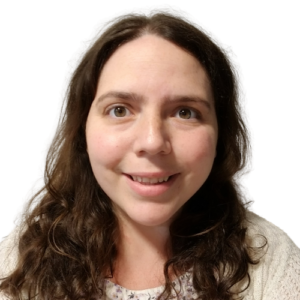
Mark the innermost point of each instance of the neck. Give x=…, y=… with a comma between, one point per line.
x=142, y=253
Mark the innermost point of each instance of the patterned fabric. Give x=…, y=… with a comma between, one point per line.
x=185, y=292
x=276, y=277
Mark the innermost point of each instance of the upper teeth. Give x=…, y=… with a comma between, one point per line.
x=149, y=180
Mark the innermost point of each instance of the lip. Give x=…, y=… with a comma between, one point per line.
x=150, y=174
x=147, y=189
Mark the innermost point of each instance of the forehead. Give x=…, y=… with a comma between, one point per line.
x=153, y=64
x=154, y=48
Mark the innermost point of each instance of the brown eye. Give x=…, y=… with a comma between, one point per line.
x=119, y=112
x=185, y=113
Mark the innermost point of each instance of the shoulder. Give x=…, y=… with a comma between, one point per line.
x=259, y=225
x=277, y=275
x=9, y=252
x=8, y=255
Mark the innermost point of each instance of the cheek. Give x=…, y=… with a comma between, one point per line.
x=104, y=149
x=199, y=148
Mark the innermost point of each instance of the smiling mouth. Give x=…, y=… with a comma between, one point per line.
x=147, y=180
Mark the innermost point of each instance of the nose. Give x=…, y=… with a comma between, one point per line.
x=152, y=136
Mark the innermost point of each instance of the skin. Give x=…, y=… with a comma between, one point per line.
x=152, y=120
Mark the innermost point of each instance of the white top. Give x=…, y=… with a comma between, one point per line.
x=276, y=277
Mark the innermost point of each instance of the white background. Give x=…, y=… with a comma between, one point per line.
x=41, y=42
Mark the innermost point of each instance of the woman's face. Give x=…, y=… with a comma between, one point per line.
x=151, y=130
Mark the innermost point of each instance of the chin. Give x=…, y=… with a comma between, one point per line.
x=147, y=220
x=154, y=221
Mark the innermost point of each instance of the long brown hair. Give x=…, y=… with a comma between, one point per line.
x=70, y=238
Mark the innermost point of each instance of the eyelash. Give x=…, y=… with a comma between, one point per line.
x=112, y=111
x=194, y=114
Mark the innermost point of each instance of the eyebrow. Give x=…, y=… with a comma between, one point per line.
x=134, y=96
x=191, y=98
x=119, y=95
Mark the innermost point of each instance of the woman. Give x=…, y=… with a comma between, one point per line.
x=140, y=199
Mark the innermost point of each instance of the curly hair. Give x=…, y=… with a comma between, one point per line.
x=69, y=243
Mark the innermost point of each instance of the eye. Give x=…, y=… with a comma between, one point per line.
x=186, y=113
x=119, y=112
